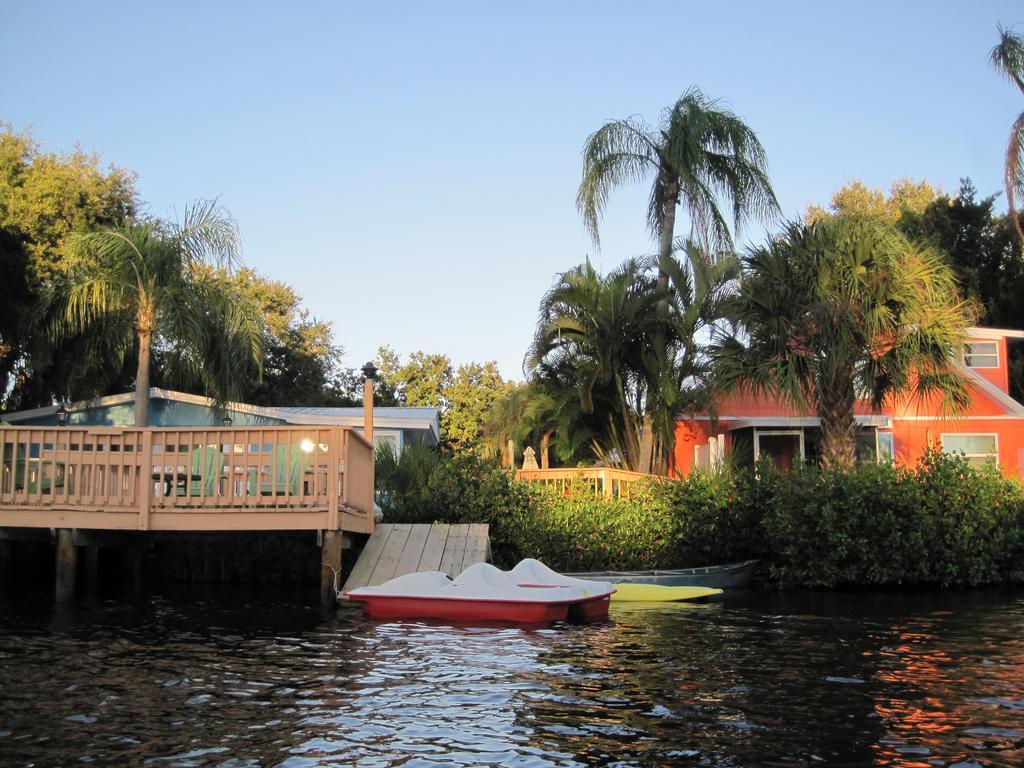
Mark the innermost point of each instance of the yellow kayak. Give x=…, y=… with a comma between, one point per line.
x=655, y=593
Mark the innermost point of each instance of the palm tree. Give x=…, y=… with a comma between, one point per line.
x=1008, y=58
x=157, y=284
x=842, y=309
x=595, y=329
x=700, y=155
x=632, y=348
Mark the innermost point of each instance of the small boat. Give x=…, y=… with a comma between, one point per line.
x=533, y=573
x=656, y=593
x=481, y=593
x=730, y=576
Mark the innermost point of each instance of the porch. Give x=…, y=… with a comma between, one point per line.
x=283, y=478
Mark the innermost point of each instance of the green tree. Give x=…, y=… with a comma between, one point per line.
x=464, y=396
x=1008, y=59
x=700, y=156
x=842, y=309
x=471, y=395
x=301, y=363
x=43, y=198
x=858, y=199
x=144, y=285
x=985, y=255
x=633, y=347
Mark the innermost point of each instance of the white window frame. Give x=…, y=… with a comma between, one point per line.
x=775, y=432
x=968, y=353
x=994, y=435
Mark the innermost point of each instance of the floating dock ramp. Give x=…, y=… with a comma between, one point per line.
x=395, y=549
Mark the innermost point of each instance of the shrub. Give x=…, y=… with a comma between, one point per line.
x=942, y=522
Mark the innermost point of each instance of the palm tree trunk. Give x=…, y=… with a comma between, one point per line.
x=646, y=443
x=838, y=427
x=545, y=441
x=670, y=193
x=142, y=377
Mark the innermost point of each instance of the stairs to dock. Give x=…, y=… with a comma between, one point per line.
x=395, y=549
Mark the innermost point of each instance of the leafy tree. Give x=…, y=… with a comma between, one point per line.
x=858, y=199
x=43, y=198
x=301, y=363
x=1008, y=59
x=842, y=309
x=464, y=396
x=471, y=396
x=986, y=257
x=143, y=285
x=700, y=155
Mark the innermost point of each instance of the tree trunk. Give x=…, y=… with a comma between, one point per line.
x=142, y=378
x=838, y=427
x=668, y=226
x=545, y=460
x=646, y=444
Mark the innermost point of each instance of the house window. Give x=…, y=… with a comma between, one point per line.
x=785, y=447
x=981, y=354
x=886, y=449
x=979, y=449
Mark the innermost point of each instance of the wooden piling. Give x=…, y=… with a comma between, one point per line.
x=67, y=562
x=90, y=570
x=330, y=562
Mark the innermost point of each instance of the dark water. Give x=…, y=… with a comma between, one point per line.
x=229, y=679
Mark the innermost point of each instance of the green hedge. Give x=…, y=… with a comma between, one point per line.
x=942, y=522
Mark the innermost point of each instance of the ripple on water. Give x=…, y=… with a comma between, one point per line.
x=786, y=679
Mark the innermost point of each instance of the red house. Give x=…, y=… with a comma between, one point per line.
x=992, y=429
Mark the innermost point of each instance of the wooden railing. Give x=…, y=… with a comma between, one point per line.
x=195, y=478
x=603, y=481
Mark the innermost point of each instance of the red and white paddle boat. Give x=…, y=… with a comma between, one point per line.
x=529, y=594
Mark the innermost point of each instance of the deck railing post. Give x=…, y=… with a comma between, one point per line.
x=145, y=497
x=335, y=454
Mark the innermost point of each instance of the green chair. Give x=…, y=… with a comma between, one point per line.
x=208, y=466
x=289, y=463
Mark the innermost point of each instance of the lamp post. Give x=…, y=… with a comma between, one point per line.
x=62, y=415
x=369, y=374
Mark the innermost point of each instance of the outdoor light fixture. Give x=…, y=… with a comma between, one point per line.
x=226, y=421
x=306, y=445
x=370, y=370
x=62, y=415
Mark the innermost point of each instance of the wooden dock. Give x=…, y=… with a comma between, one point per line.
x=395, y=549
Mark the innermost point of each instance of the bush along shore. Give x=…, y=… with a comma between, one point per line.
x=942, y=522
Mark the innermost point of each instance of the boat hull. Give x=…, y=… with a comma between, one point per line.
x=731, y=576
x=463, y=610
x=659, y=593
x=590, y=610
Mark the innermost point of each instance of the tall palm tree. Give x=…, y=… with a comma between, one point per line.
x=842, y=309
x=1008, y=58
x=700, y=156
x=154, y=283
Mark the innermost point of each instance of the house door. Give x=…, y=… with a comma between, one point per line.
x=784, y=448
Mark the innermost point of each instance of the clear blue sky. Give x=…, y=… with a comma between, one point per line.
x=411, y=168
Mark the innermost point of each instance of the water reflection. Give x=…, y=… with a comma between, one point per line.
x=237, y=680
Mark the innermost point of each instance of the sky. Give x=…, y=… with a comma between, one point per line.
x=411, y=168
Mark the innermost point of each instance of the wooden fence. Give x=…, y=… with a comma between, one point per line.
x=603, y=481
x=196, y=478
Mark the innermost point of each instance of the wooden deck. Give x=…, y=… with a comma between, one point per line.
x=396, y=549
x=268, y=478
